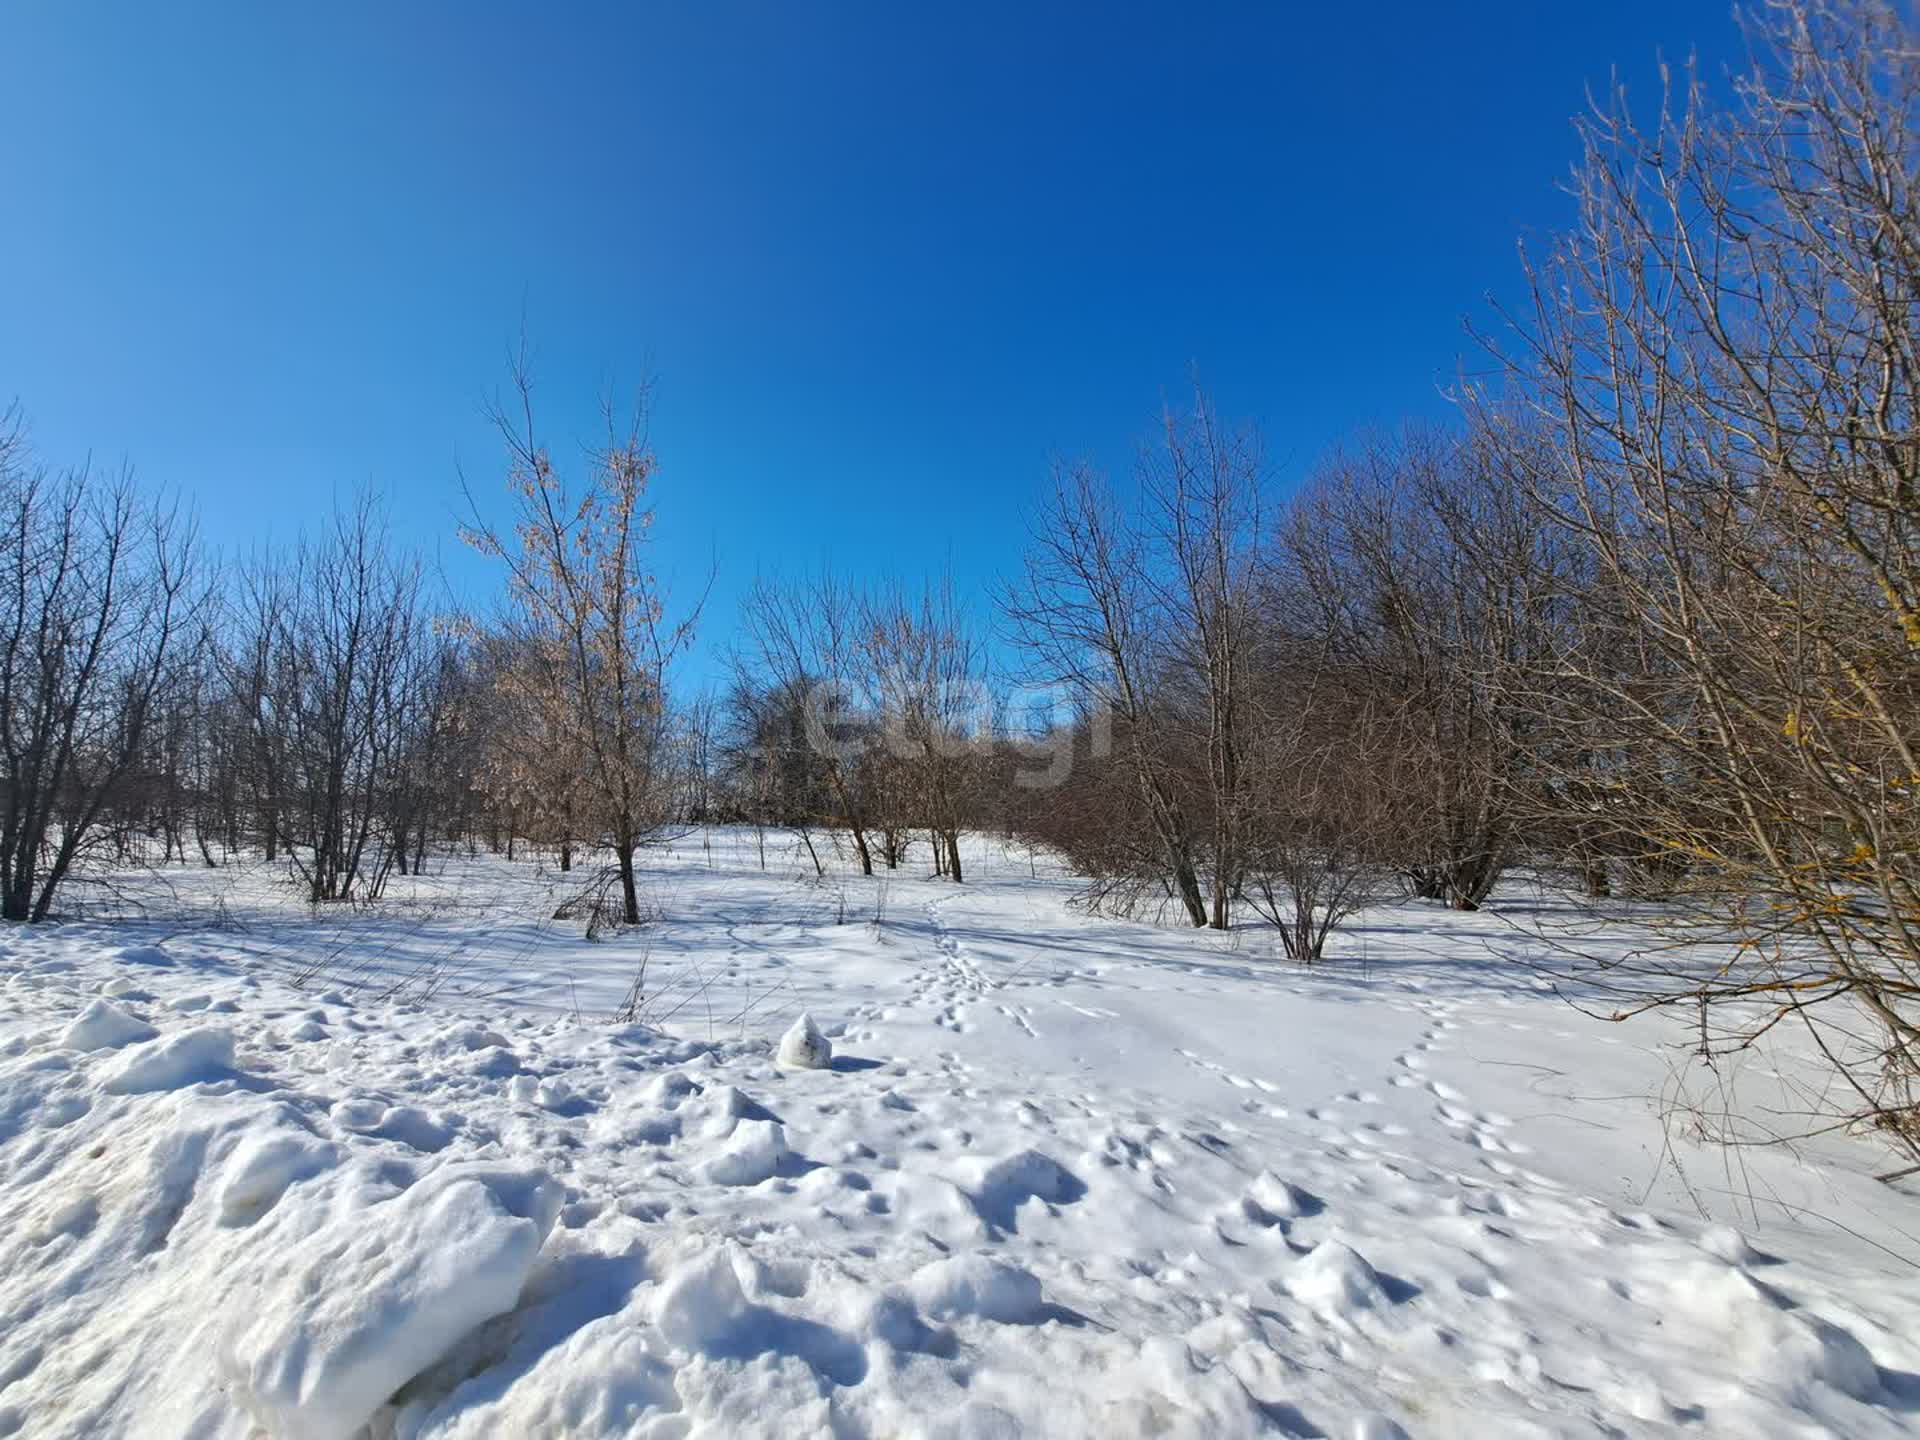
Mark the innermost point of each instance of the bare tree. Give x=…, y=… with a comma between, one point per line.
x=1321, y=776
x=804, y=639
x=929, y=669
x=1203, y=512
x=774, y=775
x=590, y=618
x=334, y=678
x=101, y=600
x=1084, y=613
x=1418, y=561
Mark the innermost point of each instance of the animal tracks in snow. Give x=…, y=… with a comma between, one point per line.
x=1238, y=1081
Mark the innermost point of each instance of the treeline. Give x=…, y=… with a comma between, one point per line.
x=303, y=704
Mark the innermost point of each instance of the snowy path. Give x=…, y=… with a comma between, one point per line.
x=1067, y=1176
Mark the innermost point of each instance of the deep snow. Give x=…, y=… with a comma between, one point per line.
x=402, y=1169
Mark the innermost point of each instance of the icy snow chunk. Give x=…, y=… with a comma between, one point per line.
x=1335, y=1278
x=1271, y=1199
x=185, y=1058
x=804, y=1047
x=261, y=1168
x=724, y=1107
x=754, y=1153
x=381, y=1294
x=105, y=1026
x=668, y=1090
x=308, y=1031
x=975, y=1285
x=701, y=1303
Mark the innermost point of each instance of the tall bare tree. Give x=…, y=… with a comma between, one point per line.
x=590, y=619
x=1084, y=612
x=1202, y=487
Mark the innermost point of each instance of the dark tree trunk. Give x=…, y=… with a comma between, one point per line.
x=629, y=891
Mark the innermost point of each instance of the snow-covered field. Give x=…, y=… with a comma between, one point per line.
x=402, y=1171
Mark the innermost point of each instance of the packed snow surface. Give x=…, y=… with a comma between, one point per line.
x=890, y=1157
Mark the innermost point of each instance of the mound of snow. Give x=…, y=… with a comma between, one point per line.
x=103, y=1025
x=1770, y=1342
x=496, y=1062
x=1270, y=1199
x=753, y=1153
x=382, y=1293
x=173, y=1061
x=1723, y=1242
x=721, y=1108
x=358, y=1114
x=975, y=1285
x=414, y=1128
x=1334, y=1278
x=701, y=1304
x=804, y=1047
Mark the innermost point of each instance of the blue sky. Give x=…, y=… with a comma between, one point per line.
x=881, y=261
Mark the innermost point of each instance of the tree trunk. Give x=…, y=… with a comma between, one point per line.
x=629, y=892
x=1187, y=881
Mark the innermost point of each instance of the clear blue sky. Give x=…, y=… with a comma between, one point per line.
x=882, y=260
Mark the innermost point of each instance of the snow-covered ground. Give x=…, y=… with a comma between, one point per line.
x=402, y=1170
